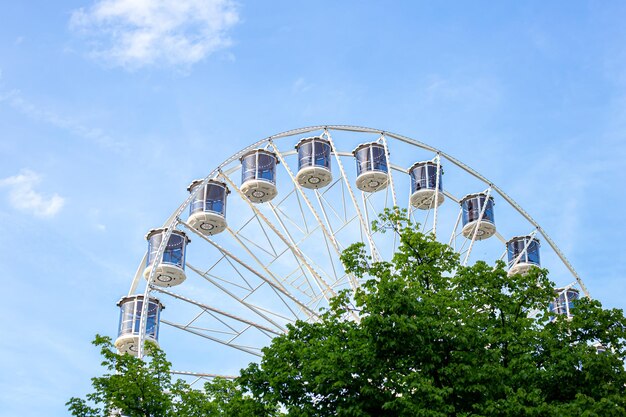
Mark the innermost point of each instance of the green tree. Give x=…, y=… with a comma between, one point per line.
x=436, y=338
x=133, y=387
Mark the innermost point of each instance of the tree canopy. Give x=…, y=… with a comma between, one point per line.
x=434, y=338
x=134, y=387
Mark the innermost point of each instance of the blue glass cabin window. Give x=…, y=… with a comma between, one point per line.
x=174, y=251
x=425, y=177
x=472, y=208
x=314, y=153
x=130, y=318
x=152, y=322
x=571, y=297
x=515, y=247
x=362, y=160
x=211, y=198
x=371, y=158
x=564, y=302
x=379, y=161
x=248, y=168
x=258, y=166
x=127, y=317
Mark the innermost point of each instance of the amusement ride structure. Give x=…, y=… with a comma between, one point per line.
x=269, y=224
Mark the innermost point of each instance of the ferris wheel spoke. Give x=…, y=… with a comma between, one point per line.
x=202, y=375
x=240, y=300
x=275, y=314
x=237, y=237
x=299, y=259
x=306, y=224
x=452, y=241
x=260, y=286
x=452, y=197
x=326, y=220
x=236, y=336
x=275, y=284
x=262, y=226
x=243, y=278
x=229, y=256
x=368, y=228
x=343, y=196
x=327, y=291
x=318, y=267
x=252, y=351
x=275, y=279
x=346, y=224
x=280, y=207
x=304, y=235
x=323, y=202
x=364, y=226
x=256, y=245
x=425, y=222
x=500, y=237
x=230, y=332
x=227, y=281
x=327, y=235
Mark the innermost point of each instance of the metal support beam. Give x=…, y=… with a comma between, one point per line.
x=327, y=291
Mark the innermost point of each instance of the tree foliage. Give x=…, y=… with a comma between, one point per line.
x=133, y=387
x=436, y=338
x=433, y=338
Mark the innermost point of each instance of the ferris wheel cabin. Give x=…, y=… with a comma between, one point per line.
x=424, y=185
x=313, y=163
x=171, y=270
x=258, y=175
x=371, y=167
x=130, y=321
x=473, y=205
x=207, y=211
x=600, y=348
x=563, y=304
x=523, y=253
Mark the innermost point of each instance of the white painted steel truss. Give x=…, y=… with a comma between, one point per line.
x=278, y=262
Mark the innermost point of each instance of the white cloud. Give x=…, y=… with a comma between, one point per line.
x=300, y=86
x=15, y=99
x=137, y=33
x=24, y=197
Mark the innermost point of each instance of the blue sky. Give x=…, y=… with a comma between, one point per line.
x=109, y=108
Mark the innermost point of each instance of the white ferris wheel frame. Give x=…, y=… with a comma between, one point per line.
x=323, y=224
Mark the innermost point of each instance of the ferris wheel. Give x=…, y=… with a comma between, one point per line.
x=269, y=224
